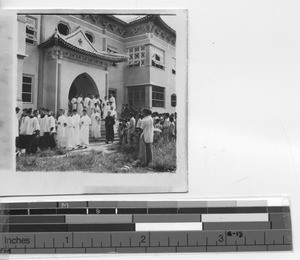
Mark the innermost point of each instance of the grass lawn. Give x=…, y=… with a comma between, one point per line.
x=117, y=160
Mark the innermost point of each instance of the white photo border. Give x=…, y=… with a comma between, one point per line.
x=69, y=183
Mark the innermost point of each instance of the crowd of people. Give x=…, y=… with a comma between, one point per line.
x=141, y=130
x=40, y=129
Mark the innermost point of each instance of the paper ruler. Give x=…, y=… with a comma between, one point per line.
x=143, y=227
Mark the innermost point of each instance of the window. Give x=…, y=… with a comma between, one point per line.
x=173, y=100
x=136, y=96
x=137, y=56
x=27, y=88
x=173, y=65
x=158, y=96
x=63, y=28
x=90, y=37
x=157, y=58
x=31, y=32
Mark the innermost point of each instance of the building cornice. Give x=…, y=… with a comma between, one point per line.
x=147, y=24
x=57, y=40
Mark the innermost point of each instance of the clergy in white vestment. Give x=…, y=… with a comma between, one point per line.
x=33, y=131
x=61, y=130
x=93, y=102
x=86, y=104
x=113, y=101
x=22, y=138
x=70, y=132
x=105, y=107
x=85, y=122
x=96, y=124
x=42, y=121
x=113, y=112
x=76, y=121
x=79, y=105
x=51, y=129
x=74, y=102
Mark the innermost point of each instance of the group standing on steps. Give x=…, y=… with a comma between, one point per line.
x=40, y=130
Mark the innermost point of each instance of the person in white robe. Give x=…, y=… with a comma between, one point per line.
x=51, y=129
x=70, y=132
x=33, y=131
x=74, y=102
x=113, y=112
x=79, y=105
x=85, y=123
x=23, y=124
x=42, y=122
x=105, y=107
x=98, y=108
x=76, y=121
x=96, y=124
x=61, y=130
x=113, y=101
x=92, y=103
x=86, y=104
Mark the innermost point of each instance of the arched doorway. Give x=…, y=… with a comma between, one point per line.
x=83, y=84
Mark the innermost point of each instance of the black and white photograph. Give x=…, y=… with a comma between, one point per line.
x=97, y=92
x=104, y=83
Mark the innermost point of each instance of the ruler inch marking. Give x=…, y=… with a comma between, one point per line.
x=43, y=228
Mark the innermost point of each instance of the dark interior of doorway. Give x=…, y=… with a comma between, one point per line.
x=83, y=84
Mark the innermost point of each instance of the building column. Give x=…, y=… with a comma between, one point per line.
x=40, y=86
x=148, y=55
x=106, y=84
x=58, y=86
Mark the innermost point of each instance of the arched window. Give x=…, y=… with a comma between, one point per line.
x=63, y=28
x=90, y=37
x=173, y=100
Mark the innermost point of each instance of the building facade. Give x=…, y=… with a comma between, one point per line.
x=60, y=56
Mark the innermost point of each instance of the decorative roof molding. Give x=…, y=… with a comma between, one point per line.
x=156, y=20
x=146, y=24
x=77, y=41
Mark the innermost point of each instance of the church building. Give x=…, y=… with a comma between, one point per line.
x=64, y=55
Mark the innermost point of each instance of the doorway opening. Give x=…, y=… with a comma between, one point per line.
x=83, y=84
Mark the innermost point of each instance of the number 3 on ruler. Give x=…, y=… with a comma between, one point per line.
x=221, y=238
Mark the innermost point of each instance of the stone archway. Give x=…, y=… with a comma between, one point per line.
x=83, y=84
